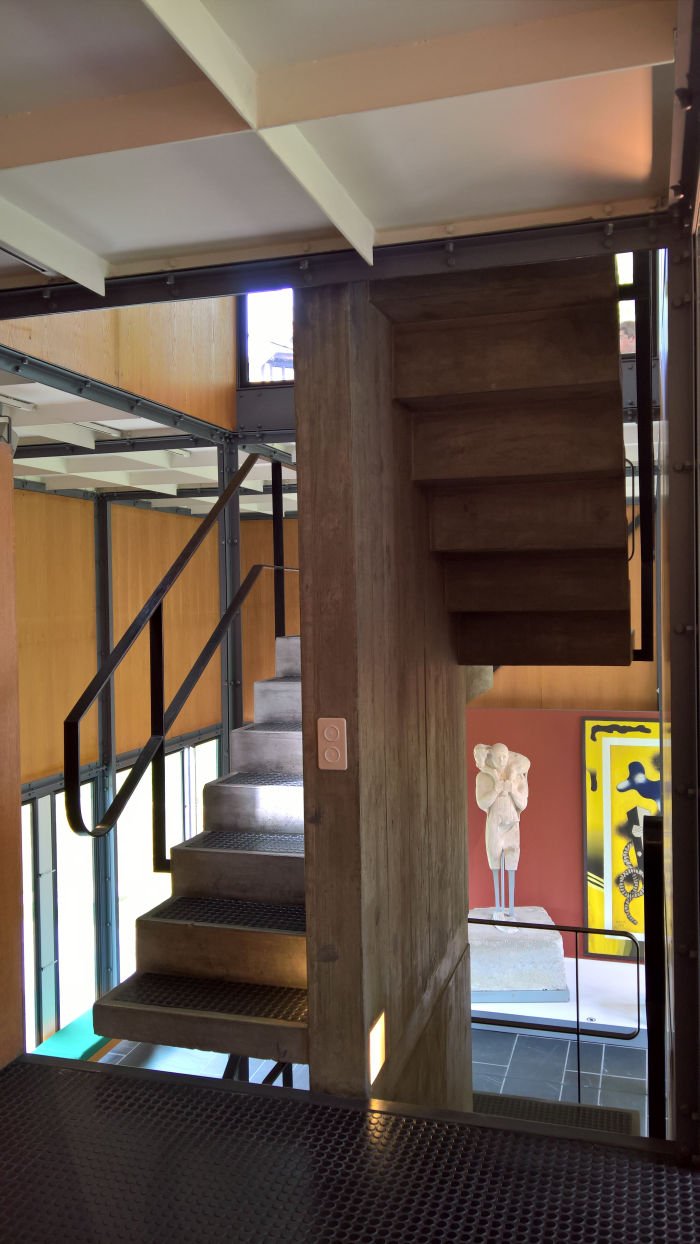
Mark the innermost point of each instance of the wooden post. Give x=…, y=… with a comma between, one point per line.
x=386, y=851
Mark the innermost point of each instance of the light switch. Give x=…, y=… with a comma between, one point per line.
x=332, y=743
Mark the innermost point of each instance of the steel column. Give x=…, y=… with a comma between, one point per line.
x=655, y=973
x=645, y=447
x=161, y=862
x=105, y=848
x=229, y=583
x=278, y=547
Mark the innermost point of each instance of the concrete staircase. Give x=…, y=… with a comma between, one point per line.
x=222, y=964
x=512, y=382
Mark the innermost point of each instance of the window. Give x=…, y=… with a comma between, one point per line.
x=28, y=938
x=75, y=910
x=268, y=324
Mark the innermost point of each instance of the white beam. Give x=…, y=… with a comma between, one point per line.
x=493, y=58
x=69, y=433
x=30, y=237
x=301, y=159
x=217, y=54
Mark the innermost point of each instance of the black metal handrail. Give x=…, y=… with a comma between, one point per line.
x=161, y=718
x=541, y=1025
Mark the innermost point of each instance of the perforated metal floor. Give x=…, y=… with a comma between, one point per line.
x=237, y=840
x=263, y=777
x=224, y=997
x=236, y=912
x=102, y=1155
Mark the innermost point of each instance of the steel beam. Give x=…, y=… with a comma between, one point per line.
x=129, y=444
x=459, y=254
x=105, y=848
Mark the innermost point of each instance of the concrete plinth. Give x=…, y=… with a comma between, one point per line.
x=516, y=965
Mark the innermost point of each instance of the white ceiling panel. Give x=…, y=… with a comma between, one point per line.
x=210, y=192
x=55, y=51
x=274, y=32
x=519, y=150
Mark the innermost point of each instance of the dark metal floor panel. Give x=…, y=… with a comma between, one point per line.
x=261, y=777
x=100, y=1155
x=221, y=997
x=247, y=840
x=235, y=912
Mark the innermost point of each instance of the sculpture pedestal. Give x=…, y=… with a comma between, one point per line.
x=516, y=965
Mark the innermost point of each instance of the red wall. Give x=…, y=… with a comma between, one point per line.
x=551, y=869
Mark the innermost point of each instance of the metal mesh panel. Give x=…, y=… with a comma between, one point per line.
x=564, y=1114
x=102, y=1156
x=239, y=913
x=233, y=840
x=273, y=727
x=225, y=997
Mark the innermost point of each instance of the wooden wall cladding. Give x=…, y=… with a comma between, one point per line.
x=144, y=545
x=258, y=615
x=386, y=858
x=11, y=1010
x=56, y=625
x=182, y=354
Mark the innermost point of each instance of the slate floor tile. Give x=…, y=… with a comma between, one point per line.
x=492, y=1047
x=529, y=1086
x=486, y=1078
x=621, y=1060
x=591, y=1057
x=539, y=1059
x=590, y=1087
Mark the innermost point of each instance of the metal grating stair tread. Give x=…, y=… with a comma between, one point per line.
x=194, y=993
x=235, y=841
x=271, y=727
x=264, y=777
x=98, y=1153
x=561, y=1114
x=233, y=913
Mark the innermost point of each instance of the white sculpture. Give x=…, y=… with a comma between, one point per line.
x=501, y=792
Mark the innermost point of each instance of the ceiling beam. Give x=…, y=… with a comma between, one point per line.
x=70, y=434
x=116, y=123
x=53, y=252
x=493, y=58
x=213, y=49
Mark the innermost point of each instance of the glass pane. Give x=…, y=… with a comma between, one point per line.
x=206, y=758
x=628, y=331
x=28, y=946
x=76, y=912
x=140, y=888
x=624, y=267
x=270, y=333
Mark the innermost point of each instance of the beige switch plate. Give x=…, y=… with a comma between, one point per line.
x=332, y=743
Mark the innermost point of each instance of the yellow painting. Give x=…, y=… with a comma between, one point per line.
x=622, y=772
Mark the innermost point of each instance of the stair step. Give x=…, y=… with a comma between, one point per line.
x=584, y=638
x=229, y=864
x=227, y=938
x=278, y=700
x=288, y=656
x=276, y=746
x=543, y=517
x=535, y=434
x=266, y=1021
x=523, y=582
x=265, y=800
x=568, y=346
x=523, y=289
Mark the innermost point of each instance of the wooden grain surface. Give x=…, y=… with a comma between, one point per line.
x=11, y=983
x=385, y=841
x=549, y=517
x=522, y=290
x=144, y=545
x=56, y=625
x=544, y=638
x=517, y=582
x=181, y=353
x=258, y=613
x=540, y=435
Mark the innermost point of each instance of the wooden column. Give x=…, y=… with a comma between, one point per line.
x=11, y=1010
x=386, y=851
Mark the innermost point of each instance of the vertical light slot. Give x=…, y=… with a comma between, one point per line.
x=377, y=1047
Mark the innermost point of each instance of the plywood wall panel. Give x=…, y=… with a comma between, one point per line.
x=144, y=545
x=182, y=354
x=11, y=1010
x=258, y=614
x=56, y=625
